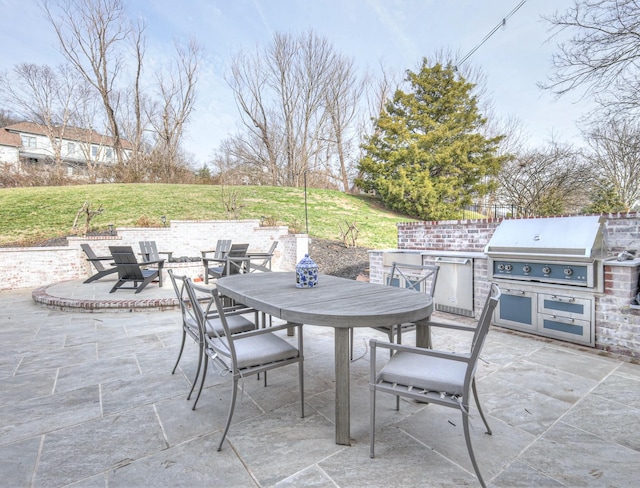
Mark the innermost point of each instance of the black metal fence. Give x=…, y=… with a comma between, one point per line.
x=494, y=212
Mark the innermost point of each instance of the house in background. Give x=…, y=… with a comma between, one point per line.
x=28, y=143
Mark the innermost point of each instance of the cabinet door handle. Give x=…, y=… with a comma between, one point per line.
x=562, y=299
x=513, y=292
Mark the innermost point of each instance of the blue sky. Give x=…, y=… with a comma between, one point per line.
x=394, y=33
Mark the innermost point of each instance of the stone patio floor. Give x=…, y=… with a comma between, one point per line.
x=88, y=400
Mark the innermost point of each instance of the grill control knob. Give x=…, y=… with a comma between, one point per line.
x=568, y=271
x=546, y=270
x=501, y=267
x=508, y=267
x=526, y=268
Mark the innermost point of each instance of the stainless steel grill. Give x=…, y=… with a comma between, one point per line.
x=550, y=270
x=561, y=250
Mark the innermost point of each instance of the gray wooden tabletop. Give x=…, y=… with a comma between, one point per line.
x=336, y=302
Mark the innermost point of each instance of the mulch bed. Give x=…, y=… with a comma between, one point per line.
x=334, y=258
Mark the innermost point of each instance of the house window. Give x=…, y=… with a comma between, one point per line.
x=109, y=153
x=69, y=170
x=71, y=147
x=28, y=142
x=94, y=151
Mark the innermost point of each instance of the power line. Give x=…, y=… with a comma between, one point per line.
x=502, y=23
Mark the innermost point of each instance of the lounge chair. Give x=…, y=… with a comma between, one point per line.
x=130, y=270
x=96, y=261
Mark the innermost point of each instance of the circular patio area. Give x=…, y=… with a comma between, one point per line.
x=77, y=296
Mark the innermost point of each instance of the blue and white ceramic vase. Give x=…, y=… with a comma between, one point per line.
x=306, y=273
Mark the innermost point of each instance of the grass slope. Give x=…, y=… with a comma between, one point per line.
x=30, y=215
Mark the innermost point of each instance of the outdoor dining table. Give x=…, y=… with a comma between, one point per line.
x=336, y=302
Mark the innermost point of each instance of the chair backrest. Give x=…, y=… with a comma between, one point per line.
x=484, y=322
x=418, y=277
x=149, y=251
x=188, y=314
x=222, y=248
x=236, y=251
x=179, y=287
x=220, y=343
x=88, y=251
x=274, y=244
x=92, y=255
x=125, y=259
x=261, y=261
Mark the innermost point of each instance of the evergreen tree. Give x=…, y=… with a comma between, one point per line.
x=605, y=199
x=427, y=156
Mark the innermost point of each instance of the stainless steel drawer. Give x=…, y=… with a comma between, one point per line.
x=564, y=306
x=566, y=328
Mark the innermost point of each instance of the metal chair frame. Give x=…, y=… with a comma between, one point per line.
x=247, y=353
x=416, y=373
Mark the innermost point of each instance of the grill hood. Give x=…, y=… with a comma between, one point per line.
x=579, y=238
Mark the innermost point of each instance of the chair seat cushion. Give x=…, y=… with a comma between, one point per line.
x=236, y=323
x=262, y=349
x=427, y=372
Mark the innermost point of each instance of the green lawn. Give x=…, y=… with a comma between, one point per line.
x=30, y=215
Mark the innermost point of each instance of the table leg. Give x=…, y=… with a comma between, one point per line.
x=423, y=333
x=343, y=421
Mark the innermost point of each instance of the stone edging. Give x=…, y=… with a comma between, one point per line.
x=41, y=296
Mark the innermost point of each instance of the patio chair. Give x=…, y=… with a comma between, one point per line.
x=130, y=270
x=235, y=261
x=237, y=323
x=437, y=377
x=246, y=353
x=418, y=277
x=149, y=251
x=96, y=261
x=261, y=261
x=221, y=250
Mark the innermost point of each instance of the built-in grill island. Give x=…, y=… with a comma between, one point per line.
x=550, y=271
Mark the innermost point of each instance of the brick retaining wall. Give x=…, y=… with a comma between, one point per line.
x=34, y=267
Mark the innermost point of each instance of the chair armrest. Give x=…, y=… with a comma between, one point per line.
x=451, y=326
x=159, y=262
x=266, y=330
x=238, y=259
x=236, y=310
x=259, y=254
x=206, y=261
x=373, y=343
x=168, y=253
x=100, y=258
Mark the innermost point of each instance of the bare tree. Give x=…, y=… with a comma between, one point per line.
x=97, y=38
x=47, y=96
x=7, y=118
x=601, y=56
x=93, y=35
x=260, y=144
x=281, y=92
x=176, y=95
x=614, y=153
x=548, y=181
x=343, y=99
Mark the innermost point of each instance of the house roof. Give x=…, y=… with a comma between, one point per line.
x=69, y=133
x=9, y=138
